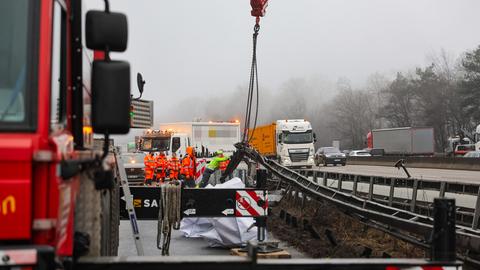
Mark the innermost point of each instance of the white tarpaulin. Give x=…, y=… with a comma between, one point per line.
x=221, y=232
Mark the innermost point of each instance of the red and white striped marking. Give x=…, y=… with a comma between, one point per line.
x=18, y=257
x=424, y=268
x=247, y=203
x=200, y=168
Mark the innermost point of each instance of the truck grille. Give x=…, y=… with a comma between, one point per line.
x=134, y=171
x=135, y=176
x=301, y=156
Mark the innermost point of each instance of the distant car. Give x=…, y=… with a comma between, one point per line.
x=134, y=167
x=330, y=155
x=375, y=152
x=359, y=153
x=472, y=154
x=462, y=149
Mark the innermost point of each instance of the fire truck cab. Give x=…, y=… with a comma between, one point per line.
x=54, y=93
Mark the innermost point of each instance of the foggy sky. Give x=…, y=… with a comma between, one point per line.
x=187, y=49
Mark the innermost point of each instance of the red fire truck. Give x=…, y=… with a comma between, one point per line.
x=54, y=93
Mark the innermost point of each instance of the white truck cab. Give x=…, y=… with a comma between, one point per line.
x=295, y=143
x=204, y=137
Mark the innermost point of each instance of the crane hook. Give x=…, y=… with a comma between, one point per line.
x=258, y=8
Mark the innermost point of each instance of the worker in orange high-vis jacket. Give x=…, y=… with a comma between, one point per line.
x=193, y=158
x=223, y=167
x=185, y=163
x=162, y=166
x=174, y=167
x=188, y=167
x=150, y=165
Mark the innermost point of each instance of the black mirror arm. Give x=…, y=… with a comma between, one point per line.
x=107, y=6
x=137, y=97
x=106, y=144
x=107, y=50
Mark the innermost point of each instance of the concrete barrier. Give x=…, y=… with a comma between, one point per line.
x=458, y=163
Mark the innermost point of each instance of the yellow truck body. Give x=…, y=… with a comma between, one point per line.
x=264, y=139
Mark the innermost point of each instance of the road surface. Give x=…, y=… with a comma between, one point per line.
x=462, y=176
x=178, y=246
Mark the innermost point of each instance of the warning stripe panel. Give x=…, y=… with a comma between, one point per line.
x=423, y=268
x=256, y=196
x=247, y=203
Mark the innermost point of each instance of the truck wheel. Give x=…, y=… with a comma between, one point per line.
x=89, y=207
x=110, y=220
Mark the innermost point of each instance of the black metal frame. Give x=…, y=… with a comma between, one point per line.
x=200, y=202
x=251, y=262
x=62, y=108
x=77, y=75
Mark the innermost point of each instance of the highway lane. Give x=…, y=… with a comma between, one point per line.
x=462, y=176
x=452, y=176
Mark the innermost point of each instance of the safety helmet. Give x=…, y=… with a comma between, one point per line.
x=219, y=152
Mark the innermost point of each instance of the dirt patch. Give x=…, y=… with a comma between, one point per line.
x=322, y=231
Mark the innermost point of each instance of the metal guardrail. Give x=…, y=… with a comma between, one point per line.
x=467, y=216
x=453, y=163
x=392, y=219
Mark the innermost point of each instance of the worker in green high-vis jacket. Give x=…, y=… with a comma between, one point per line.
x=212, y=167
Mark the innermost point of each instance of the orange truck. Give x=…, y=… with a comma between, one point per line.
x=291, y=142
x=263, y=140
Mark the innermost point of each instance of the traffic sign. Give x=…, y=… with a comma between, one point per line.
x=141, y=113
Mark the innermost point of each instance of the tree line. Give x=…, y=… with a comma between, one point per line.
x=445, y=95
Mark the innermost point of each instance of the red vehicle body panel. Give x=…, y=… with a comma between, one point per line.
x=30, y=190
x=15, y=189
x=369, y=140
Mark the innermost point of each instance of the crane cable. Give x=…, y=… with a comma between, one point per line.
x=253, y=87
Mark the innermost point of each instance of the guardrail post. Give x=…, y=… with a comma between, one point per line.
x=262, y=176
x=476, y=214
x=340, y=178
x=392, y=191
x=413, y=203
x=355, y=184
x=443, y=187
x=443, y=236
x=370, y=188
x=325, y=178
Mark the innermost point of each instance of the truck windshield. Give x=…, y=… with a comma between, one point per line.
x=297, y=137
x=156, y=144
x=14, y=97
